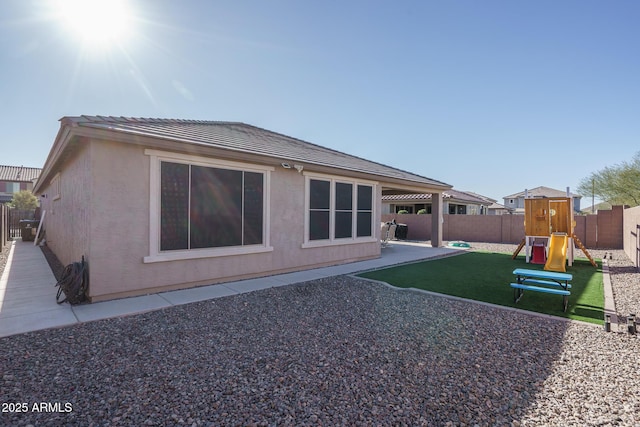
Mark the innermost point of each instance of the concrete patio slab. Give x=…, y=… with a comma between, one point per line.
x=28, y=292
x=299, y=276
x=201, y=293
x=12, y=306
x=120, y=307
x=37, y=320
x=249, y=285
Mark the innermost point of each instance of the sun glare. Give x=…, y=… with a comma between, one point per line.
x=96, y=22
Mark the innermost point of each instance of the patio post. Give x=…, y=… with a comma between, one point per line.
x=436, y=220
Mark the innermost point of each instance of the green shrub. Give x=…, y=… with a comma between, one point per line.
x=24, y=199
x=403, y=211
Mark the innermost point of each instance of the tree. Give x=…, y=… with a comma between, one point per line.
x=617, y=185
x=24, y=200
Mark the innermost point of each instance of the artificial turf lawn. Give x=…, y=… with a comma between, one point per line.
x=484, y=276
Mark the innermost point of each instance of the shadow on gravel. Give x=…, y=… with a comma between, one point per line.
x=338, y=351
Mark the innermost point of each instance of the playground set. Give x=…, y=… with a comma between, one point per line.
x=549, y=240
x=549, y=233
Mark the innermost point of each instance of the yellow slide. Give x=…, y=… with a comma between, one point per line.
x=557, y=259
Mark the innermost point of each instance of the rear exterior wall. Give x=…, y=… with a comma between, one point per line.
x=65, y=204
x=120, y=225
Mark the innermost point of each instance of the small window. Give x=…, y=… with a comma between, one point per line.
x=13, y=187
x=55, y=187
x=174, y=206
x=344, y=210
x=457, y=209
x=365, y=211
x=407, y=208
x=319, y=209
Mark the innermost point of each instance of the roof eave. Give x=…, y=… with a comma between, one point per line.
x=133, y=136
x=59, y=145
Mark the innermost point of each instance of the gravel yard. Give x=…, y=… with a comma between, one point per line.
x=337, y=351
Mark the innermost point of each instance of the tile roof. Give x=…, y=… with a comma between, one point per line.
x=448, y=194
x=602, y=206
x=498, y=206
x=542, y=192
x=245, y=138
x=407, y=197
x=19, y=173
x=480, y=196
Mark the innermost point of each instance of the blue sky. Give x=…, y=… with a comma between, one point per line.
x=488, y=96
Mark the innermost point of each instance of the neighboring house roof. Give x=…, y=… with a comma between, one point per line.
x=480, y=196
x=603, y=206
x=18, y=173
x=462, y=196
x=244, y=138
x=498, y=206
x=542, y=192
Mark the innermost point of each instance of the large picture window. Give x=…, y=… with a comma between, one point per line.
x=206, y=207
x=201, y=208
x=339, y=211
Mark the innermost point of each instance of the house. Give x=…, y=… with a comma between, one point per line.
x=159, y=204
x=455, y=203
x=602, y=206
x=497, y=209
x=14, y=179
x=494, y=207
x=515, y=202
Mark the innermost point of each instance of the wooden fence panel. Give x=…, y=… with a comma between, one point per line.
x=4, y=229
x=15, y=216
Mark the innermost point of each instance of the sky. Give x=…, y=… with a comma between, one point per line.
x=490, y=96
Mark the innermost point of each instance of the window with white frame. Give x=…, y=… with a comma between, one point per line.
x=13, y=187
x=338, y=210
x=203, y=207
x=55, y=186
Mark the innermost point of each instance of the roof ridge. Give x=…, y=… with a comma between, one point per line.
x=125, y=119
x=24, y=167
x=338, y=151
x=305, y=150
x=19, y=173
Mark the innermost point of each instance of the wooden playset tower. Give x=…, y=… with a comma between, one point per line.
x=550, y=219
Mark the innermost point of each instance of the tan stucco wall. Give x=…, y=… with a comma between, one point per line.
x=631, y=234
x=67, y=218
x=119, y=225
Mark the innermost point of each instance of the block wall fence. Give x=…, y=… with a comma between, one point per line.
x=601, y=231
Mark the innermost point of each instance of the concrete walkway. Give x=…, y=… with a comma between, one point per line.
x=28, y=292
